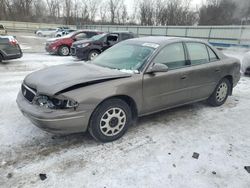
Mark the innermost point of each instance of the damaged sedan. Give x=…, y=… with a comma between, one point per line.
x=134, y=78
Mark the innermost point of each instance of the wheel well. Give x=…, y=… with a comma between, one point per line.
x=131, y=103
x=230, y=79
x=95, y=50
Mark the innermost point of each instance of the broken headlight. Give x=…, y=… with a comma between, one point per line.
x=55, y=103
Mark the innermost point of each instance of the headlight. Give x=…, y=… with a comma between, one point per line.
x=83, y=45
x=55, y=103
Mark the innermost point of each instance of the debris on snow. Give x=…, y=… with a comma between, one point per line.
x=247, y=168
x=43, y=176
x=196, y=155
x=9, y=175
x=214, y=172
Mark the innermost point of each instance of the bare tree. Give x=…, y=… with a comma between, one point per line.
x=103, y=11
x=146, y=9
x=113, y=6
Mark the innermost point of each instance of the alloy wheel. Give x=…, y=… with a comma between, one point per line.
x=113, y=121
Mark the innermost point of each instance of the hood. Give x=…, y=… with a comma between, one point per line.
x=54, y=79
x=58, y=38
x=82, y=42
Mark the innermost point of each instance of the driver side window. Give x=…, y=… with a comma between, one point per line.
x=172, y=55
x=80, y=36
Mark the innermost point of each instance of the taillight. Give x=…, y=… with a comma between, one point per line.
x=13, y=41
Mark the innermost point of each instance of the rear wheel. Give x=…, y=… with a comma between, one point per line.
x=40, y=34
x=64, y=50
x=220, y=93
x=110, y=120
x=1, y=58
x=93, y=54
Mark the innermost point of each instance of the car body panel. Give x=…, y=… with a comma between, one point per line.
x=9, y=50
x=151, y=92
x=57, y=78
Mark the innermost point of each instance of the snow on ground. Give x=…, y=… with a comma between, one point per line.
x=157, y=152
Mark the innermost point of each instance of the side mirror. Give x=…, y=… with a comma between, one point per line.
x=158, y=67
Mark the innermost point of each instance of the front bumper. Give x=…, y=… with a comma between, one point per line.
x=55, y=121
x=51, y=49
x=80, y=53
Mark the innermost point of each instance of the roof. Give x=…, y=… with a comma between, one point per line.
x=161, y=40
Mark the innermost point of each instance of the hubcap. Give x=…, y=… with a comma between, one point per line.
x=65, y=51
x=113, y=121
x=221, y=92
x=93, y=55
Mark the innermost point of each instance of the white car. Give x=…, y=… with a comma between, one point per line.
x=62, y=32
x=46, y=32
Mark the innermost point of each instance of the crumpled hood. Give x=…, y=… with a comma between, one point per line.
x=54, y=79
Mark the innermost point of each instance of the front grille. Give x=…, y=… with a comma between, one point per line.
x=73, y=51
x=28, y=93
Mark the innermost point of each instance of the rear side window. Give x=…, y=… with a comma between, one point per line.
x=126, y=36
x=172, y=55
x=212, y=55
x=198, y=53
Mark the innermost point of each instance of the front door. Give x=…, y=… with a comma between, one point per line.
x=166, y=89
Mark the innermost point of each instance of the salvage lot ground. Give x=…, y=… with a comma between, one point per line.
x=157, y=152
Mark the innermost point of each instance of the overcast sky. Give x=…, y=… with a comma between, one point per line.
x=130, y=4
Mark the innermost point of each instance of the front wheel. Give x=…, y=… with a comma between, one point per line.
x=220, y=93
x=110, y=120
x=64, y=51
x=93, y=54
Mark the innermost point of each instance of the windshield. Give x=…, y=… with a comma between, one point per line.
x=98, y=37
x=125, y=56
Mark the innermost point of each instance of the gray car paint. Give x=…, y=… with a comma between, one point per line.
x=54, y=79
x=150, y=92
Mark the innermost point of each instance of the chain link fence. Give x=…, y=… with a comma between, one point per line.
x=220, y=36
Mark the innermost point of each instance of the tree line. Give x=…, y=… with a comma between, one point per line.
x=144, y=12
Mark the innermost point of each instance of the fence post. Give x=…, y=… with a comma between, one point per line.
x=241, y=31
x=209, y=34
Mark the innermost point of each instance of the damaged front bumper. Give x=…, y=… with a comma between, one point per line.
x=54, y=120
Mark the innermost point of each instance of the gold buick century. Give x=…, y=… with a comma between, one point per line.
x=134, y=78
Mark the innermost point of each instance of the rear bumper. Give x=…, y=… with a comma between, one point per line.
x=13, y=54
x=55, y=121
x=16, y=56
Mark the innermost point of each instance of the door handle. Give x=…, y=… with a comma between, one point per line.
x=183, y=77
x=217, y=70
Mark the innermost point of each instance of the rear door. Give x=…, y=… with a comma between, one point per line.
x=206, y=69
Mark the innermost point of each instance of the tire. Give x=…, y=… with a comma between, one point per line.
x=1, y=58
x=110, y=120
x=93, y=54
x=220, y=93
x=63, y=50
x=40, y=34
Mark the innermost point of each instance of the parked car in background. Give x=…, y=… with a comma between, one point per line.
x=61, y=45
x=89, y=49
x=9, y=48
x=45, y=32
x=62, y=32
x=246, y=64
x=131, y=79
x=3, y=31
